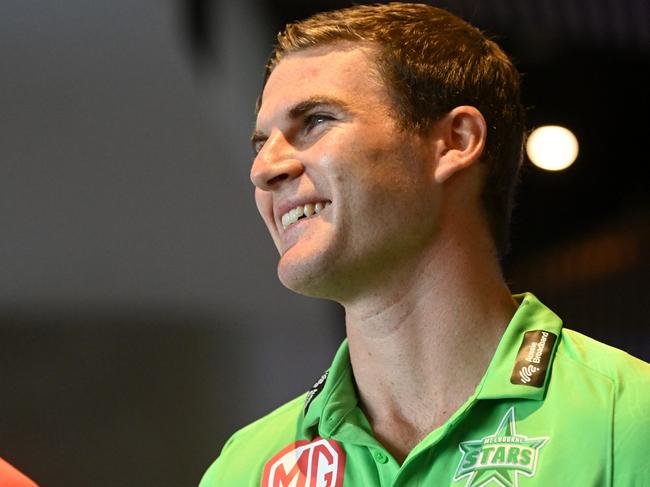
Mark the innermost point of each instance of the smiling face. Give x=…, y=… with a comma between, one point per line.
x=345, y=194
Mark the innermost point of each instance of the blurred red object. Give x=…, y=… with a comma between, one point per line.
x=10, y=477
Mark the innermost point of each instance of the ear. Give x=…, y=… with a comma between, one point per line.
x=460, y=141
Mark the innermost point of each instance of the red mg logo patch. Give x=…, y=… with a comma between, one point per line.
x=317, y=463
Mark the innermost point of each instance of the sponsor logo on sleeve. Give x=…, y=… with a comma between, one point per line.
x=316, y=463
x=532, y=360
x=500, y=457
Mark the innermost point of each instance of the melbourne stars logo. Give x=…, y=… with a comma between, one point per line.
x=500, y=457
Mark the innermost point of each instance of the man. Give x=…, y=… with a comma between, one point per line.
x=387, y=145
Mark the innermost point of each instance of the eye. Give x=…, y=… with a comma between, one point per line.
x=312, y=121
x=257, y=145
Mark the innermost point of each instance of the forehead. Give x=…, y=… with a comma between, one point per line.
x=344, y=72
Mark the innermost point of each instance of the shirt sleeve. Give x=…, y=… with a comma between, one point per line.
x=632, y=427
x=212, y=475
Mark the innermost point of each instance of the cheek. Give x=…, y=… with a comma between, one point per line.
x=264, y=202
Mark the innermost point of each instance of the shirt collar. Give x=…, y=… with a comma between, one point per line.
x=337, y=397
x=531, y=315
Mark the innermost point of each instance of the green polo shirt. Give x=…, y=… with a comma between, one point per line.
x=554, y=408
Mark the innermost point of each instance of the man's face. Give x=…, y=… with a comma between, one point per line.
x=326, y=139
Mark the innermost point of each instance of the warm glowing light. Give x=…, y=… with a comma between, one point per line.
x=552, y=147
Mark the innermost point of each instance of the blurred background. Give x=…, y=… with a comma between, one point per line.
x=141, y=321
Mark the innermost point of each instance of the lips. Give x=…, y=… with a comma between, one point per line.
x=301, y=211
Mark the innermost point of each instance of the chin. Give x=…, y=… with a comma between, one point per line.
x=308, y=279
x=299, y=281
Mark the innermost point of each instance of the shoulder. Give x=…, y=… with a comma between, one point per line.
x=623, y=370
x=628, y=384
x=284, y=418
x=244, y=455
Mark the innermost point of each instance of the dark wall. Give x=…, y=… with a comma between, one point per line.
x=141, y=321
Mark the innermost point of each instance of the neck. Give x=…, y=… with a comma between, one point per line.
x=420, y=345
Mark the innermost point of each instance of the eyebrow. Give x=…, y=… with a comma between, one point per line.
x=299, y=110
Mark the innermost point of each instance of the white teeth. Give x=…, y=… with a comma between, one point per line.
x=307, y=210
x=297, y=212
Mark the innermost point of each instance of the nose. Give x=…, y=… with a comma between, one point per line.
x=275, y=163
